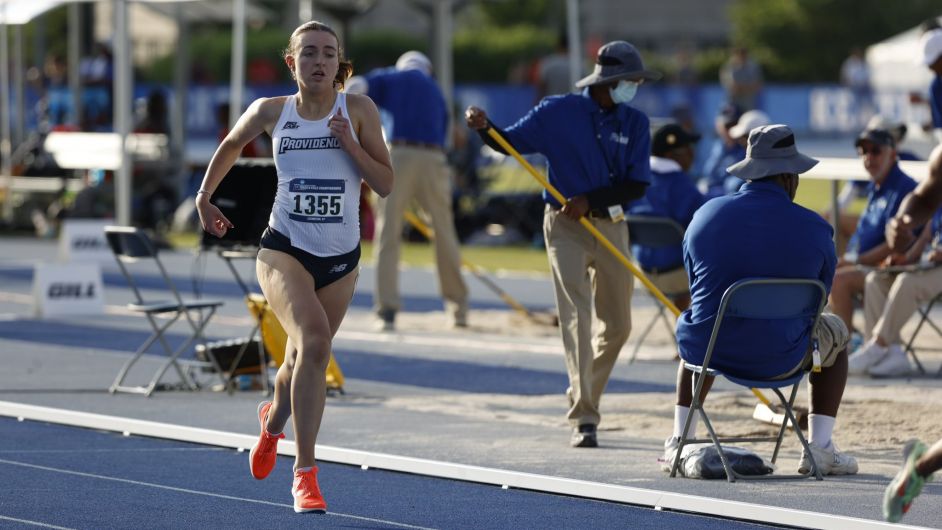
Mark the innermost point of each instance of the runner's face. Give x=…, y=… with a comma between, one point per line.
x=315, y=61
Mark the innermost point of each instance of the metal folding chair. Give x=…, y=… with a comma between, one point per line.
x=655, y=232
x=924, y=319
x=132, y=248
x=760, y=299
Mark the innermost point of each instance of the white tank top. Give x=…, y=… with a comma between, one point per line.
x=317, y=203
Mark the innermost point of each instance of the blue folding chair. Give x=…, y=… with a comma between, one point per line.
x=759, y=299
x=655, y=232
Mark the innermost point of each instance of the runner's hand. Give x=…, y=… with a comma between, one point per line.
x=211, y=218
x=340, y=128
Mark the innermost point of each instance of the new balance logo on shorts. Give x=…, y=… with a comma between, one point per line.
x=338, y=268
x=291, y=125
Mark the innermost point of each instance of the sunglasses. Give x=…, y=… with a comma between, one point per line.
x=875, y=150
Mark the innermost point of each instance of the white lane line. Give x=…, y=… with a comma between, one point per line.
x=33, y=523
x=139, y=450
x=195, y=492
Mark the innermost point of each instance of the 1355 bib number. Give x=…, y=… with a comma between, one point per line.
x=316, y=200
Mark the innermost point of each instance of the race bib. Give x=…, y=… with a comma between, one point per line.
x=316, y=200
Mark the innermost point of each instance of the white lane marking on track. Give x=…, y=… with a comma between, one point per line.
x=155, y=449
x=197, y=492
x=34, y=523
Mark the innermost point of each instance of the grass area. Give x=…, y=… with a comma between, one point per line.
x=510, y=258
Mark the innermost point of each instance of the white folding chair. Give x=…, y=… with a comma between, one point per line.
x=133, y=249
x=655, y=232
x=759, y=299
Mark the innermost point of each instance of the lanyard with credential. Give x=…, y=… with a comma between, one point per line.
x=615, y=211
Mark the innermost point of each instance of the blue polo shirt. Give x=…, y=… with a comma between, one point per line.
x=756, y=232
x=882, y=204
x=672, y=194
x=587, y=147
x=935, y=101
x=415, y=102
x=715, y=178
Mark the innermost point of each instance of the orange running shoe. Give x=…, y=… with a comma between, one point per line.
x=307, y=494
x=263, y=456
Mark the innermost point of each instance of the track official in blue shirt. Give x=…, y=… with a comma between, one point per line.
x=597, y=147
x=886, y=190
x=417, y=147
x=674, y=195
x=760, y=232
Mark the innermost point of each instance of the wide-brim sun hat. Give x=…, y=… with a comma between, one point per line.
x=771, y=151
x=615, y=61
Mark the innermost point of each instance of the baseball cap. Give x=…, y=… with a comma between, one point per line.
x=671, y=136
x=930, y=45
x=615, y=61
x=771, y=151
x=895, y=128
x=876, y=136
x=747, y=122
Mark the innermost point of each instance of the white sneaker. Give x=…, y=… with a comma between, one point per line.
x=895, y=364
x=670, y=449
x=830, y=460
x=384, y=325
x=866, y=356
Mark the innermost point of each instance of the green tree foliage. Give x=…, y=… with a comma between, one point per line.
x=503, y=13
x=489, y=54
x=807, y=40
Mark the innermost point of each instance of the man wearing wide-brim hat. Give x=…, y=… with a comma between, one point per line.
x=760, y=232
x=597, y=147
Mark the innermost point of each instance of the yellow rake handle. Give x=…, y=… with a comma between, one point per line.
x=475, y=270
x=585, y=222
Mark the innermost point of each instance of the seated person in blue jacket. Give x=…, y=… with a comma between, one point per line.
x=888, y=185
x=672, y=194
x=720, y=181
x=724, y=152
x=774, y=237
x=858, y=189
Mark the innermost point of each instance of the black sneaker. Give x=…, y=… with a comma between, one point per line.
x=584, y=436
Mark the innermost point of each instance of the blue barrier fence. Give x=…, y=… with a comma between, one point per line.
x=808, y=109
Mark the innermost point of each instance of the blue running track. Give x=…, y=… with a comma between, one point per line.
x=58, y=476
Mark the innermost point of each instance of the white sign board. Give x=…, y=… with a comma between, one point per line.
x=84, y=240
x=68, y=289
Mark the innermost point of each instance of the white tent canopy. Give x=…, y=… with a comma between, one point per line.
x=16, y=12
x=893, y=63
x=13, y=12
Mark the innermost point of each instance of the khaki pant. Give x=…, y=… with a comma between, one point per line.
x=832, y=336
x=421, y=174
x=673, y=283
x=593, y=296
x=890, y=299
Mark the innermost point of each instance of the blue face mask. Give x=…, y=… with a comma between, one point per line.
x=624, y=92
